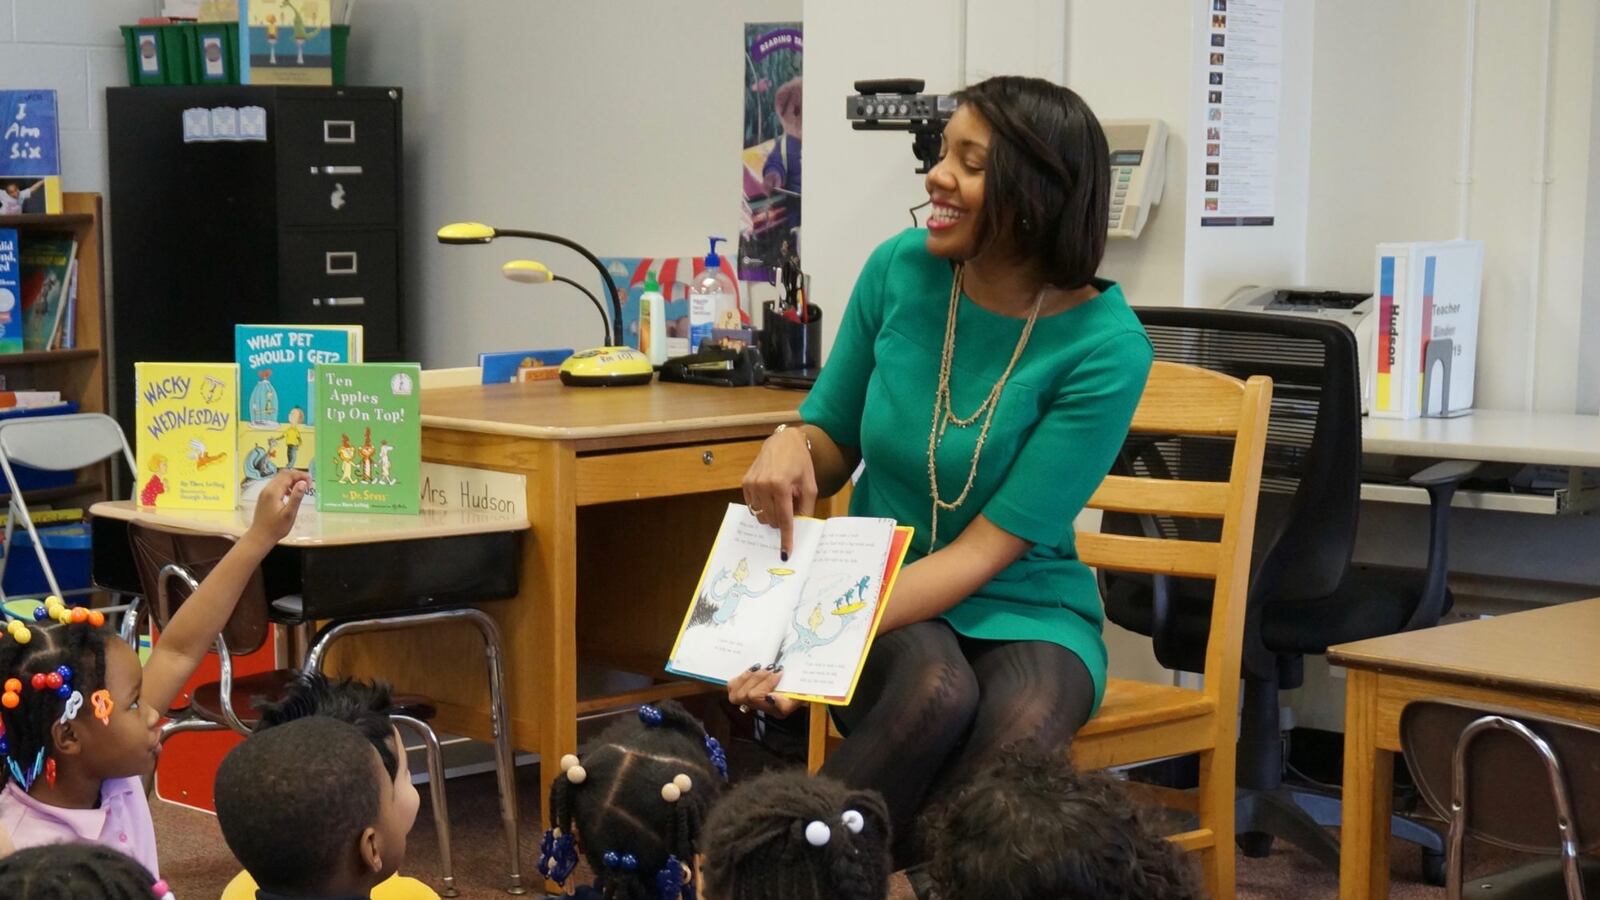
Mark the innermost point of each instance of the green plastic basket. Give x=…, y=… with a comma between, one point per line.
x=157, y=54
x=214, y=52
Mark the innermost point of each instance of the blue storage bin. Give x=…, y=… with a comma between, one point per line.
x=67, y=546
x=29, y=478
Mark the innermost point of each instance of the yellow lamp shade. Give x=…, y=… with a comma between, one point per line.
x=466, y=233
x=527, y=271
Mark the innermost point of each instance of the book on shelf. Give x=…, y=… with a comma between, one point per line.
x=285, y=42
x=502, y=367
x=369, y=426
x=29, y=399
x=277, y=406
x=67, y=334
x=816, y=613
x=46, y=268
x=30, y=153
x=186, y=418
x=10, y=293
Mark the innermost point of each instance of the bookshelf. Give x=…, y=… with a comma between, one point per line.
x=80, y=373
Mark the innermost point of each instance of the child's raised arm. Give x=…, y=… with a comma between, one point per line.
x=191, y=632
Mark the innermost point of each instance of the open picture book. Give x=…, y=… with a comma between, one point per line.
x=815, y=613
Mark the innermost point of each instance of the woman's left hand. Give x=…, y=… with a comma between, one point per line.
x=753, y=690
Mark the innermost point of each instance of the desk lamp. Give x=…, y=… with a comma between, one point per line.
x=612, y=365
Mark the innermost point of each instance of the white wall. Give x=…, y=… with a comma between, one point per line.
x=1385, y=140
x=617, y=124
x=74, y=48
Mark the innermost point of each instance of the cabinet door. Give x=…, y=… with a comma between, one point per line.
x=343, y=277
x=337, y=161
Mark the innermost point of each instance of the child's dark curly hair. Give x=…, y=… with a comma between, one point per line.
x=72, y=871
x=635, y=803
x=365, y=704
x=789, y=836
x=80, y=647
x=1030, y=827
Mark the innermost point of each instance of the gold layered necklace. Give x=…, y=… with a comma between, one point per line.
x=944, y=414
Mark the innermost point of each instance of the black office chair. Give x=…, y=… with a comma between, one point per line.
x=1304, y=593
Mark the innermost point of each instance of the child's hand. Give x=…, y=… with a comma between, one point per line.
x=277, y=506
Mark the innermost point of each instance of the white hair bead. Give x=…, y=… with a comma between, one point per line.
x=671, y=793
x=684, y=782
x=568, y=762
x=853, y=820
x=577, y=775
x=818, y=834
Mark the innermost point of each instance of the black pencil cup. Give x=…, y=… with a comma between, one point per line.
x=787, y=345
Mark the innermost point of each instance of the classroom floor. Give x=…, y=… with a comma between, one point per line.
x=197, y=864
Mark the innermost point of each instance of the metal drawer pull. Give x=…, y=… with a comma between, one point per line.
x=708, y=457
x=338, y=170
x=339, y=301
x=338, y=131
x=342, y=262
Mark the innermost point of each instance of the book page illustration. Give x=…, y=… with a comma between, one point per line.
x=838, y=605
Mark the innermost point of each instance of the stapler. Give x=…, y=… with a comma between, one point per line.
x=717, y=366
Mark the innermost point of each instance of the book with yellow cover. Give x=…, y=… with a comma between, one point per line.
x=186, y=433
x=815, y=613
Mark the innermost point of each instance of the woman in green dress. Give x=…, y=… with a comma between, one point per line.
x=986, y=378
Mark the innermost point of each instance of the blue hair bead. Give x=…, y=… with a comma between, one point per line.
x=669, y=879
x=719, y=759
x=5, y=747
x=611, y=859
x=40, y=614
x=650, y=715
x=629, y=862
x=64, y=691
x=558, y=856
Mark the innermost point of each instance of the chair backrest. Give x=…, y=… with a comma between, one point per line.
x=155, y=547
x=1510, y=797
x=1182, y=400
x=63, y=443
x=1310, y=477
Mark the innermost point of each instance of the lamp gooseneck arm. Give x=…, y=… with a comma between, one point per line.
x=605, y=277
x=592, y=299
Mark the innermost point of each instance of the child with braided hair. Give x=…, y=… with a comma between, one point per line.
x=1030, y=827
x=634, y=804
x=73, y=871
x=789, y=836
x=79, y=715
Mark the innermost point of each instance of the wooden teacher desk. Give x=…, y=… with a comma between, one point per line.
x=1542, y=660
x=625, y=490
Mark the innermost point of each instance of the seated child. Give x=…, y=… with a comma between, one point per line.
x=367, y=706
x=634, y=805
x=80, y=716
x=310, y=811
x=1067, y=836
x=77, y=870
x=789, y=836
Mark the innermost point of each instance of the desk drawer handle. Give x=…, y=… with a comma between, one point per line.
x=708, y=457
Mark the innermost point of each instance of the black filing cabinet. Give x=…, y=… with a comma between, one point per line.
x=302, y=227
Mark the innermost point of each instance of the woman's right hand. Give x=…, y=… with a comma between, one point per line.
x=752, y=690
x=781, y=484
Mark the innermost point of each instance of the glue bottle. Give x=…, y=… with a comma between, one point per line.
x=710, y=295
x=653, y=321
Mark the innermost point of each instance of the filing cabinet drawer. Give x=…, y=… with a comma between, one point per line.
x=343, y=278
x=337, y=161
x=640, y=475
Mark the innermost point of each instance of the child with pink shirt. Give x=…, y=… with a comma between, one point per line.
x=81, y=717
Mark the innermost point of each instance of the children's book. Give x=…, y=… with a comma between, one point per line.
x=285, y=42
x=507, y=367
x=67, y=336
x=46, y=269
x=10, y=293
x=369, y=426
x=186, y=432
x=30, y=153
x=277, y=406
x=816, y=614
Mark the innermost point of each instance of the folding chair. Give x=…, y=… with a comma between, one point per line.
x=53, y=444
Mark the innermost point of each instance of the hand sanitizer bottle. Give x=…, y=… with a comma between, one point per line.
x=711, y=292
x=653, y=321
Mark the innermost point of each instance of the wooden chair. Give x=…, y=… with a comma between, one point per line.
x=1140, y=722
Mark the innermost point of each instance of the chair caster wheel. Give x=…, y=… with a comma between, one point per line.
x=1254, y=844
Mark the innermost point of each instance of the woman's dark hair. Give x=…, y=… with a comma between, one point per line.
x=72, y=871
x=759, y=845
x=1047, y=183
x=616, y=800
x=1030, y=827
x=365, y=704
x=78, y=646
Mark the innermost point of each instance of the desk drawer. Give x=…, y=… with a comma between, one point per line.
x=614, y=477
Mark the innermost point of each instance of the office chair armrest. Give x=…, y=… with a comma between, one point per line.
x=1440, y=480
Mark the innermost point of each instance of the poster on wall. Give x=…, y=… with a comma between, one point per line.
x=1243, y=75
x=770, y=228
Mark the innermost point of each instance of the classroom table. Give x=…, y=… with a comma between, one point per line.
x=1541, y=660
x=626, y=487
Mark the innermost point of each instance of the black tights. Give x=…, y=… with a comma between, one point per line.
x=933, y=706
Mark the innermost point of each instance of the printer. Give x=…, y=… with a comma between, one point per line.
x=1353, y=309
